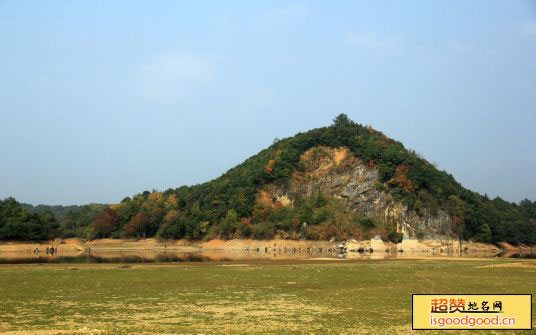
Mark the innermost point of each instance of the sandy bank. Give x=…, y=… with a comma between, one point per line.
x=279, y=246
x=78, y=245
x=270, y=245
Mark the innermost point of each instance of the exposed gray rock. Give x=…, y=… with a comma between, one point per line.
x=352, y=181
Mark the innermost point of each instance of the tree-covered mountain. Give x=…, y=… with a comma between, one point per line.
x=293, y=190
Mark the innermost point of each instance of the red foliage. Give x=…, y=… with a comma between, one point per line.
x=401, y=168
x=371, y=164
x=137, y=225
x=105, y=223
x=405, y=183
x=402, y=180
x=269, y=167
x=456, y=220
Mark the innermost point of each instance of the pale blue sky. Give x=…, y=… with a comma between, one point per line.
x=104, y=99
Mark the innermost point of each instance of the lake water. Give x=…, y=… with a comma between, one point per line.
x=139, y=257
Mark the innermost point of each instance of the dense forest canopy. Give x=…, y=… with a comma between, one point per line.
x=226, y=207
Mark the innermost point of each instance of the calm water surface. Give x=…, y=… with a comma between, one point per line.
x=138, y=257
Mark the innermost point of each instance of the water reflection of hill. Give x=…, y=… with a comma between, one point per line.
x=158, y=256
x=144, y=256
x=110, y=258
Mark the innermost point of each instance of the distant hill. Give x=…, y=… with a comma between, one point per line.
x=60, y=212
x=345, y=181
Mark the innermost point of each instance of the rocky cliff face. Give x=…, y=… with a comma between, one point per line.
x=337, y=173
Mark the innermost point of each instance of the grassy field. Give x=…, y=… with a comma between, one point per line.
x=362, y=297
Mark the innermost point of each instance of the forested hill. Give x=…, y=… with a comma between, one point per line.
x=62, y=212
x=232, y=205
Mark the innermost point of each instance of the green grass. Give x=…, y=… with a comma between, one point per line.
x=361, y=297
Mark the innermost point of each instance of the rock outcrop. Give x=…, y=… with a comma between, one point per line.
x=336, y=172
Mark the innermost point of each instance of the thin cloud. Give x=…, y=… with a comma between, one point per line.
x=172, y=75
x=372, y=40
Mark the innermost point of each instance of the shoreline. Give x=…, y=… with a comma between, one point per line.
x=275, y=245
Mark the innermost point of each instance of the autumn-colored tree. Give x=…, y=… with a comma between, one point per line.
x=269, y=167
x=137, y=225
x=457, y=208
x=171, y=201
x=402, y=180
x=155, y=196
x=405, y=183
x=152, y=200
x=401, y=168
x=105, y=223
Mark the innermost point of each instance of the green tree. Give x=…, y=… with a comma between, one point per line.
x=228, y=226
x=485, y=234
